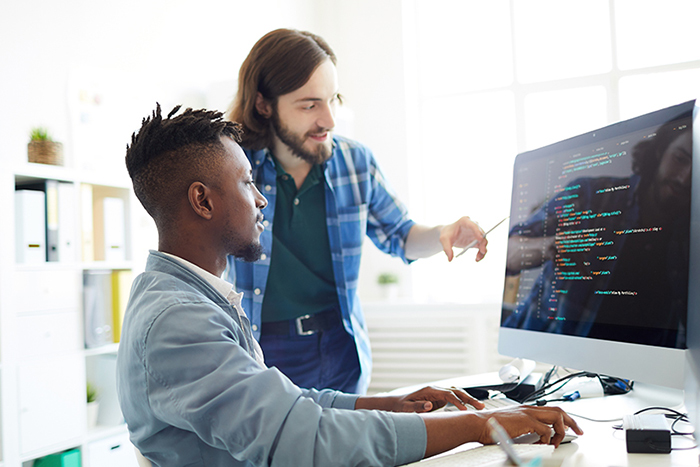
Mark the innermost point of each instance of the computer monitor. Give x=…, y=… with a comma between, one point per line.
x=692, y=371
x=598, y=250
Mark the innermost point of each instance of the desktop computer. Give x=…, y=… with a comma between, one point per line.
x=603, y=275
x=603, y=261
x=598, y=263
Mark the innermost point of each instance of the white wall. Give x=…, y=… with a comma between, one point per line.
x=177, y=51
x=367, y=37
x=177, y=47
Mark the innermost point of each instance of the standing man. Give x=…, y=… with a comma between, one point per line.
x=192, y=383
x=325, y=194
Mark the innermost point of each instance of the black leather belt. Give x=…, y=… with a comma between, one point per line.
x=304, y=325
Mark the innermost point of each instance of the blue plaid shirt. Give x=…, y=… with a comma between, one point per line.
x=358, y=202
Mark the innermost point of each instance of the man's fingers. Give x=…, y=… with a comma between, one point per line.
x=464, y=398
x=423, y=406
x=549, y=423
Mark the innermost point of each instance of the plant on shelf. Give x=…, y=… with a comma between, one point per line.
x=389, y=285
x=387, y=278
x=39, y=134
x=43, y=149
x=92, y=405
x=91, y=393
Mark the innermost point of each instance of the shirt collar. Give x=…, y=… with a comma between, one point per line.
x=220, y=285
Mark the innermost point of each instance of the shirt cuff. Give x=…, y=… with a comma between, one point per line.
x=411, y=437
x=344, y=401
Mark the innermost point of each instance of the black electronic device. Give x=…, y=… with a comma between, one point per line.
x=647, y=433
x=516, y=391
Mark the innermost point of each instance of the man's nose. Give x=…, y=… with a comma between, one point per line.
x=262, y=201
x=327, y=118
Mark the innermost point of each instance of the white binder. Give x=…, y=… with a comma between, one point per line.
x=67, y=222
x=30, y=226
x=114, y=229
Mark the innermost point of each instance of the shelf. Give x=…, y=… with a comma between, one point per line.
x=100, y=432
x=29, y=172
x=106, y=265
x=43, y=314
x=46, y=266
x=71, y=444
x=103, y=350
x=74, y=265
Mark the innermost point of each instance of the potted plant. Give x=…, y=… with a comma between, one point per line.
x=43, y=149
x=389, y=284
x=92, y=405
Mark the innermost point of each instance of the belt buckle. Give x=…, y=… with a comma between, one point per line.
x=300, y=326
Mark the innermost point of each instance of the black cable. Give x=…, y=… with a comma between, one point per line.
x=543, y=390
x=674, y=415
x=609, y=384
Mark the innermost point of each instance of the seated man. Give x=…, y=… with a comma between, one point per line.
x=191, y=379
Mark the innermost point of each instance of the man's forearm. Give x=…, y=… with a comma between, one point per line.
x=423, y=241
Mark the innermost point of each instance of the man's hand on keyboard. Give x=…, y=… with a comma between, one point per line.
x=424, y=400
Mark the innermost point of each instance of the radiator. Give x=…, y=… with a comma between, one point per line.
x=417, y=343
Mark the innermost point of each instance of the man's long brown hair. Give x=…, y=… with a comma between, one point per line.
x=282, y=61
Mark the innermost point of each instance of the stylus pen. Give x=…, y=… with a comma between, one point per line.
x=477, y=241
x=500, y=436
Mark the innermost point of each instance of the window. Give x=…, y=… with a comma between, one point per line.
x=487, y=80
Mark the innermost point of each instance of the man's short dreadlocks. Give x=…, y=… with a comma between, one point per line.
x=167, y=155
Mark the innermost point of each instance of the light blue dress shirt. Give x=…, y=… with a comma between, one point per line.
x=194, y=393
x=359, y=202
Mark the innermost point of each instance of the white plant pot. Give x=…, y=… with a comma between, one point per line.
x=93, y=410
x=390, y=292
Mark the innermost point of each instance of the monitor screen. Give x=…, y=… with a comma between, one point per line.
x=598, y=250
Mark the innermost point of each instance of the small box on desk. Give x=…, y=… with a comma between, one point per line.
x=647, y=433
x=62, y=459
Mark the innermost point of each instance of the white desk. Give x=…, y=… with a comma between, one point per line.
x=601, y=445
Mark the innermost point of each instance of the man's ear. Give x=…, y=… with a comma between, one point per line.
x=199, y=196
x=263, y=106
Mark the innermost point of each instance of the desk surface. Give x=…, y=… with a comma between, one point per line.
x=601, y=444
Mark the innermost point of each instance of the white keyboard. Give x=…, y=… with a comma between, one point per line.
x=491, y=404
x=486, y=456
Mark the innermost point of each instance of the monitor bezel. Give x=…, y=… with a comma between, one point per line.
x=692, y=363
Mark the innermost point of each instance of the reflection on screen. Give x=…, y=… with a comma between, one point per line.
x=600, y=229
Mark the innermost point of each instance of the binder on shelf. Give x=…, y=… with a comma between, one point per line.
x=114, y=232
x=86, y=224
x=67, y=225
x=52, y=247
x=70, y=458
x=59, y=218
x=30, y=226
x=97, y=308
x=121, y=287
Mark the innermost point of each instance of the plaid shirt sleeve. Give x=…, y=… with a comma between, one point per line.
x=359, y=184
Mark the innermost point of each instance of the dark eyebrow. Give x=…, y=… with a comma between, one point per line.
x=307, y=99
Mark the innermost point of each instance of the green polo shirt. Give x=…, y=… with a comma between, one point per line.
x=300, y=281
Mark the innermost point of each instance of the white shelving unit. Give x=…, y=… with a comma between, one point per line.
x=44, y=365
